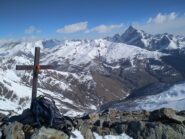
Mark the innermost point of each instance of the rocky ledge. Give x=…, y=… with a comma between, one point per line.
x=159, y=124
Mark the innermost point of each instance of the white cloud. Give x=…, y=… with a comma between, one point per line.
x=31, y=30
x=73, y=28
x=104, y=28
x=30, y=38
x=161, y=18
x=161, y=23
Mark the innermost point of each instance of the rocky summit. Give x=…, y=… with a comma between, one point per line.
x=163, y=123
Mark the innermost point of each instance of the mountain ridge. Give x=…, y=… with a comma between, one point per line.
x=162, y=42
x=87, y=74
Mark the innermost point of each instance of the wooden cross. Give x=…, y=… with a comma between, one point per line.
x=36, y=69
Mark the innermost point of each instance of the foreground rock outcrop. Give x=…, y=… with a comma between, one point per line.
x=159, y=124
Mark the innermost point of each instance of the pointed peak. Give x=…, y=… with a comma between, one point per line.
x=131, y=28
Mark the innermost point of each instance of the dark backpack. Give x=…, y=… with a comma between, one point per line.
x=46, y=113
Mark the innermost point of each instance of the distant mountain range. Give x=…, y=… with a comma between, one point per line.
x=161, y=42
x=115, y=71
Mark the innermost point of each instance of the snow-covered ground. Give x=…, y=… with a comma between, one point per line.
x=174, y=98
x=82, y=52
x=122, y=136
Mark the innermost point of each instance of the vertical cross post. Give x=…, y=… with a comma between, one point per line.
x=35, y=72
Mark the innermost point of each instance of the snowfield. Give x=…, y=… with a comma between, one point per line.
x=80, y=52
x=171, y=98
x=174, y=98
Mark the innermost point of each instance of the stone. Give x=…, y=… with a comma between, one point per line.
x=49, y=133
x=13, y=131
x=86, y=131
x=119, y=128
x=94, y=116
x=28, y=130
x=97, y=123
x=112, y=112
x=154, y=130
x=166, y=115
x=103, y=131
x=163, y=123
x=134, y=129
x=106, y=124
x=182, y=113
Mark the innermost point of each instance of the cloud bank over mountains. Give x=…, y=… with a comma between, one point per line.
x=164, y=23
x=83, y=26
x=161, y=23
x=172, y=22
x=161, y=18
x=105, y=28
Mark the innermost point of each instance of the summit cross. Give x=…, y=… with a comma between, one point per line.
x=36, y=69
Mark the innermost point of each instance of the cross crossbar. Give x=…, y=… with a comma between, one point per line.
x=31, y=67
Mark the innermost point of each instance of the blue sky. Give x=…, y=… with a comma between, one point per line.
x=73, y=19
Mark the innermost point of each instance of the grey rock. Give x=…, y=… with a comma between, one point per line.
x=160, y=124
x=145, y=130
x=86, y=131
x=166, y=115
x=49, y=133
x=13, y=131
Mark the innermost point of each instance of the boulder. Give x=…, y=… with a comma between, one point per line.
x=28, y=130
x=163, y=123
x=86, y=131
x=13, y=131
x=182, y=113
x=94, y=117
x=148, y=130
x=49, y=133
x=113, y=114
x=166, y=115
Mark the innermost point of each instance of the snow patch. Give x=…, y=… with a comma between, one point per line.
x=122, y=136
x=171, y=98
x=78, y=135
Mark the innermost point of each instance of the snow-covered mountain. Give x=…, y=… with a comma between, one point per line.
x=88, y=73
x=161, y=42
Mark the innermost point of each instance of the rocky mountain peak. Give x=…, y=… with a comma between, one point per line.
x=165, y=42
x=50, y=43
x=130, y=29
